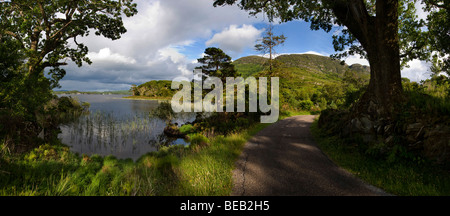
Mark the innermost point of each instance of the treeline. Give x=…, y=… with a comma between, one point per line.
x=154, y=88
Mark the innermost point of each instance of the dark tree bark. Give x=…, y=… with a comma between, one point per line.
x=379, y=37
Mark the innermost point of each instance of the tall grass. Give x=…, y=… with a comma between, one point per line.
x=105, y=133
x=173, y=170
x=404, y=178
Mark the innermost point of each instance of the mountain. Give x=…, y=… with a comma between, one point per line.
x=309, y=82
x=360, y=68
x=250, y=65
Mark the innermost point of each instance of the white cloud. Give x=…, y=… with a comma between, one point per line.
x=171, y=53
x=106, y=56
x=93, y=85
x=356, y=59
x=417, y=71
x=421, y=14
x=315, y=53
x=156, y=43
x=235, y=39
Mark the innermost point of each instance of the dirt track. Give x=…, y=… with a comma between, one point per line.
x=283, y=160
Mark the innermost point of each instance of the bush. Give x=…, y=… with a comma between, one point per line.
x=187, y=129
x=198, y=140
x=306, y=105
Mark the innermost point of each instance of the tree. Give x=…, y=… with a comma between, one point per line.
x=268, y=43
x=43, y=29
x=438, y=25
x=370, y=28
x=40, y=32
x=217, y=63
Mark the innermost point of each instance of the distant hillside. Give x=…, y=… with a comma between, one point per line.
x=250, y=65
x=154, y=88
x=360, y=68
x=309, y=82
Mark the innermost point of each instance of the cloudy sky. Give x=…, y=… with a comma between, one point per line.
x=167, y=36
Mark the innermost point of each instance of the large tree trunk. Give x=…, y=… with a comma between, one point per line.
x=385, y=88
x=379, y=37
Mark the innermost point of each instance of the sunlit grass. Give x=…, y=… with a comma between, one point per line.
x=175, y=170
x=398, y=178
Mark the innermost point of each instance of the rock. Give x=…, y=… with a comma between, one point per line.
x=356, y=125
x=367, y=124
x=388, y=129
x=413, y=127
x=436, y=143
x=389, y=139
x=420, y=134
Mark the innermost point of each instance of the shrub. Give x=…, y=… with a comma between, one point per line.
x=187, y=129
x=306, y=104
x=198, y=140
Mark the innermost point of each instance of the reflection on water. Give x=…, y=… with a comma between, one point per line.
x=118, y=127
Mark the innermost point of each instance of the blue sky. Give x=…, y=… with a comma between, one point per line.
x=167, y=36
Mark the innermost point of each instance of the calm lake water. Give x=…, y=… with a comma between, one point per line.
x=119, y=127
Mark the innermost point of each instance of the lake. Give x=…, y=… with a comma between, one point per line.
x=119, y=127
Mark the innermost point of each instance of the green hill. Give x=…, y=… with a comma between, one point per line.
x=251, y=65
x=307, y=82
x=310, y=82
x=155, y=89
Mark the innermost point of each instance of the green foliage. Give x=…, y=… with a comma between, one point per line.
x=304, y=77
x=155, y=88
x=306, y=104
x=425, y=103
x=51, y=170
x=223, y=123
x=393, y=171
x=217, y=63
x=418, y=39
x=198, y=140
x=34, y=38
x=438, y=26
x=187, y=129
x=248, y=69
x=29, y=22
x=431, y=97
x=268, y=43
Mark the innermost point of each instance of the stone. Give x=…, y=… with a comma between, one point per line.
x=367, y=124
x=413, y=127
x=389, y=139
x=387, y=129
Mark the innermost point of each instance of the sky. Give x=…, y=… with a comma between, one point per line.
x=166, y=37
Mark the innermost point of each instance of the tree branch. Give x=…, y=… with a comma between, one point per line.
x=354, y=15
x=56, y=64
x=45, y=18
x=14, y=35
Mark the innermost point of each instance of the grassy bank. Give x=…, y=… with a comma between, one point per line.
x=407, y=178
x=203, y=168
